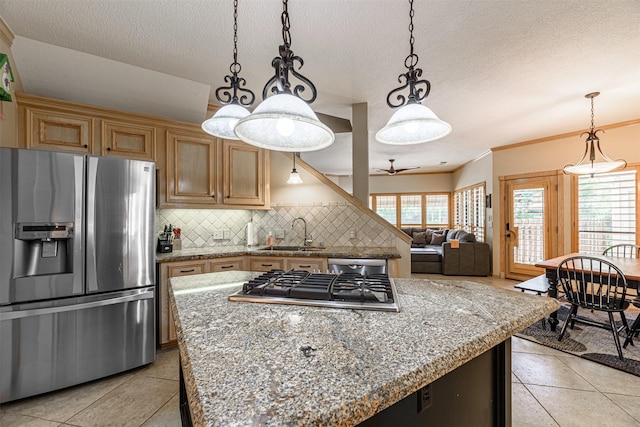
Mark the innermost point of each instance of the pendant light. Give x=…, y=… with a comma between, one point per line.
x=413, y=123
x=597, y=161
x=284, y=121
x=221, y=124
x=294, y=178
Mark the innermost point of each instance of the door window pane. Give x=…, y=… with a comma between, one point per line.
x=528, y=220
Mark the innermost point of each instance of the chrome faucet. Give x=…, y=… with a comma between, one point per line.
x=306, y=239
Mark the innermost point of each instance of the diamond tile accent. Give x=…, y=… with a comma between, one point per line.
x=329, y=223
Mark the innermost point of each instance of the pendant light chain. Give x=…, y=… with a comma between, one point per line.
x=412, y=40
x=592, y=115
x=286, y=24
x=235, y=67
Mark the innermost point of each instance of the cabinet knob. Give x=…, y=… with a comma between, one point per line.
x=108, y=148
x=85, y=146
x=213, y=195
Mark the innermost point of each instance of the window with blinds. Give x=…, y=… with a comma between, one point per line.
x=607, y=206
x=469, y=210
x=422, y=210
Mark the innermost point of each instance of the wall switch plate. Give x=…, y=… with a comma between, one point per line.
x=279, y=233
x=226, y=234
x=218, y=235
x=352, y=233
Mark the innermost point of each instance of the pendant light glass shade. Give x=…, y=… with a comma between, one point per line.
x=284, y=122
x=221, y=124
x=294, y=177
x=413, y=124
x=596, y=167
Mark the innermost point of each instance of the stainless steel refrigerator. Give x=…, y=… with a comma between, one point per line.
x=77, y=273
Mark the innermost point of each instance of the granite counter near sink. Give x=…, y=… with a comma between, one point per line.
x=267, y=364
x=229, y=251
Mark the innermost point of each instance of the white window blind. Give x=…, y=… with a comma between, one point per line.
x=469, y=206
x=606, y=210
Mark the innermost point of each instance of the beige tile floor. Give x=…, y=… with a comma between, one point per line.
x=550, y=388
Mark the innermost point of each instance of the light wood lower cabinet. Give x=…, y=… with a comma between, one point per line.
x=306, y=263
x=167, y=328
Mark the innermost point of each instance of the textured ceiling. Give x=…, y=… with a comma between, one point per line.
x=501, y=71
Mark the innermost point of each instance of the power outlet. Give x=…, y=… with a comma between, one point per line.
x=218, y=235
x=279, y=233
x=352, y=233
x=424, y=398
x=226, y=234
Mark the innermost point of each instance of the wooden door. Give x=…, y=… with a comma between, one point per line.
x=129, y=141
x=191, y=169
x=530, y=212
x=244, y=174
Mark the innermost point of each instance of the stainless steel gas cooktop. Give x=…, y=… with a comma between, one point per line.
x=345, y=290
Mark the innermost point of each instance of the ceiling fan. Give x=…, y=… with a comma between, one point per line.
x=394, y=171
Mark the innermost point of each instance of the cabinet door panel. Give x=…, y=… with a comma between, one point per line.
x=58, y=131
x=244, y=178
x=191, y=169
x=128, y=141
x=306, y=263
x=226, y=264
x=265, y=263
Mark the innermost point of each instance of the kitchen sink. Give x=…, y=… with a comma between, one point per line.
x=293, y=248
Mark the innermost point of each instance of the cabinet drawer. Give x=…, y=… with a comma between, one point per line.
x=226, y=264
x=265, y=263
x=187, y=269
x=308, y=264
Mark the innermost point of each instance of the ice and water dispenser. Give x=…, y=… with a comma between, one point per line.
x=43, y=249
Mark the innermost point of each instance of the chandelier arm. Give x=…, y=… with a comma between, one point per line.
x=584, y=156
x=400, y=97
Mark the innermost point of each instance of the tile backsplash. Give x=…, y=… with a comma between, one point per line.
x=328, y=223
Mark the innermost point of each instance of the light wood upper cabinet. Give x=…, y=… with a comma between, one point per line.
x=244, y=174
x=48, y=130
x=192, y=172
x=129, y=141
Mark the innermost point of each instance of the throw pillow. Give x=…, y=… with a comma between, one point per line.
x=420, y=238
x=437, y=239
x=463, y=236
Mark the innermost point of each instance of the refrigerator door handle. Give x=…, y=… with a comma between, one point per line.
x=91, y=266
x=19, y=314
x=79, y=226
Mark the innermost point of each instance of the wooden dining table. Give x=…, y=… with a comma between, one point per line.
x=630, y=267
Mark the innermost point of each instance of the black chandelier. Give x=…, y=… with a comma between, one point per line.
x=235, y=97
x=284, y=121
x=413, y=123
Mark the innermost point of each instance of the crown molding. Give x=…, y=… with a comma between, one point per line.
x=6, y=34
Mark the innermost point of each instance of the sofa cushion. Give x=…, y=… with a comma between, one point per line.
x=437, y=239
x=465, y=237
x=420, y=238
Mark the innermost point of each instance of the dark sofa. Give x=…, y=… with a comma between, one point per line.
x=431, y=254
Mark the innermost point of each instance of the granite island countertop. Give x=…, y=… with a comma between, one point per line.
x=327, y=252
x=268, y=364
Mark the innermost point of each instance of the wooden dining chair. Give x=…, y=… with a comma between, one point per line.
x=625, y=250
x=594, y=284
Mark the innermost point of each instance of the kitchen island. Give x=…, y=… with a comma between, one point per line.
x=267, y=364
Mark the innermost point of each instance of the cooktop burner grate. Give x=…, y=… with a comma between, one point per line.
x=346, y=290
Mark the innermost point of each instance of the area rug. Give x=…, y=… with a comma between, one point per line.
x=589, y=342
